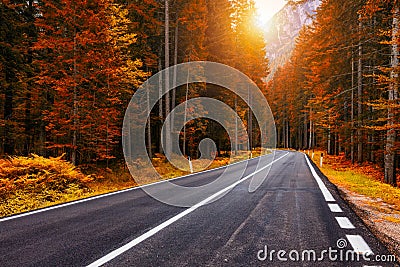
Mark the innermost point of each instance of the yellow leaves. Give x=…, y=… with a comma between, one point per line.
x=118, y=32
x=28, y=181
x=132, y=73
x=365, y=179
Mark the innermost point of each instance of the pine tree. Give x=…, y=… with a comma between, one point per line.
x=388, y=14
x=340, y=65
x=16, y=59
x=87, y=70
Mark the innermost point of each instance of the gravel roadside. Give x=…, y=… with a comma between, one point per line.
x=381, y=218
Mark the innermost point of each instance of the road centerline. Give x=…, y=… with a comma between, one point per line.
x=113, y=254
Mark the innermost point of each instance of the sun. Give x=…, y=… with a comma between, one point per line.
x=266, y=9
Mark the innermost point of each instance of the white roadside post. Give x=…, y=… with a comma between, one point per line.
x=190, y=166
x=321, y=160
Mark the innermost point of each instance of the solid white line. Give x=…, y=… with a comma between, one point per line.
x=112, y=193
x=344, y=223
x=359, y=245
x=327, y=195
x=155, y=230
x=335, y=208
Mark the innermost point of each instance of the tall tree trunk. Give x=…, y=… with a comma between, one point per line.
x=284, y=133
x=359, y=103
x=28, y=105
x=250, y=121
x=352, y=110
x=75, y=108
x=175, y=76
x=160, y=102
x=337, y=144
x=299, y=140
x=160, y=88
x=176, y=39
x=167, y=95
x=305, y=131
x=8, y=145
x=185, y=114
x=329, y=139
x=287, y=133
x=148, y=124
x=390, y=152
x=310, y=145
x=236, y=127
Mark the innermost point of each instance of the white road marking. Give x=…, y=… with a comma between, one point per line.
x=359, y=245
x=335, y=208
x=344, y=223
x=357, y=242
x=155, y=230
x=327, y=195
x=107, y=194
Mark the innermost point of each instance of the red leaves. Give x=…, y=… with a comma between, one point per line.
x=86, y=66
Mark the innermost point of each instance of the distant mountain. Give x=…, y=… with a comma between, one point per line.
x=284, y=28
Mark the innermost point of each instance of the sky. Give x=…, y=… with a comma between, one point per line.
x=268, y=8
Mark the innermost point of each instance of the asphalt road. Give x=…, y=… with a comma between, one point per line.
x=291, y=216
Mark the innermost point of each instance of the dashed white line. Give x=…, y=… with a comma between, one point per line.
x=359, y=245
x=327, y=195
x=119, y=251
x=344, y=223
x=335, y=208
x=357, y=242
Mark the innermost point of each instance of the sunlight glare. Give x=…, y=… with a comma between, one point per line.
x=266, y=9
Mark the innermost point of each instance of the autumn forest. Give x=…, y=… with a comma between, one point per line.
x=70, y=67
x=339, y=89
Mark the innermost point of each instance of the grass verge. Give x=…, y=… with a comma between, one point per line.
x=376, y=203
x=365, y=180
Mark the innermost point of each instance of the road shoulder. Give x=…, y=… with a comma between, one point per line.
x=381, y=218
x=375, y=214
